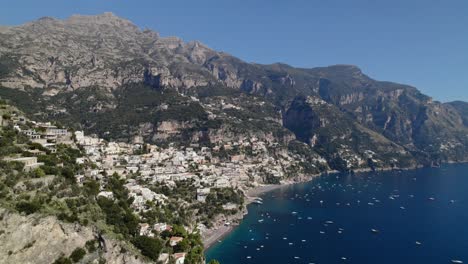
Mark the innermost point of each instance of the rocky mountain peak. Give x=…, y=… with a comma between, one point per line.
x=107, y=18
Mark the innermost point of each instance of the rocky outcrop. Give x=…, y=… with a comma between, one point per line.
x=39, y=239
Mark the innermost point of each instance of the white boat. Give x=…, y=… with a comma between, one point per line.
x=457, y=261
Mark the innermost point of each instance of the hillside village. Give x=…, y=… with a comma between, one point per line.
x=196, y=189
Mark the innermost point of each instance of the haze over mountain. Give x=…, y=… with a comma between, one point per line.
x=106, y=76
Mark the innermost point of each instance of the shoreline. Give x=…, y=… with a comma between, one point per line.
x=222, y=231
x=253, y=193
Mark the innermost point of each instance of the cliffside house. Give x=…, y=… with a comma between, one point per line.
x=30, y=163
x=179, y=258
x=173, y=241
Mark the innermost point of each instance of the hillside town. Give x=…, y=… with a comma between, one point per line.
x=240, y=165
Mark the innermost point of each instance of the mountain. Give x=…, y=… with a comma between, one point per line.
x=106, y=76
x=462, y=109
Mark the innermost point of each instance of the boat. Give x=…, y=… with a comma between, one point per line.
x=457, y=261
x=375, y=231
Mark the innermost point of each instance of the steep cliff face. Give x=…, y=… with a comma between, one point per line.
x=103, y=50
x=341, y=139
x=105, y=75
x=462, y=109
x=39, y=239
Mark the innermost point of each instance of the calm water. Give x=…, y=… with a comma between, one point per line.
x=427, y=205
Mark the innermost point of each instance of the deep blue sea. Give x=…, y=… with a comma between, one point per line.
x=418, y=216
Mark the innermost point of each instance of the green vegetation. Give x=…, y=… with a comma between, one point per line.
x=91, y=245
x=215, y=201
x=7, y=65
x=118, y=213
x=150, y=247
x=63, y=260
x=77, y=254
x=28, y=207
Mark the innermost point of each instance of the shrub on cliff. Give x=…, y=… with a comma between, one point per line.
x=150, y=247
x=77, y=254
x=28, y=207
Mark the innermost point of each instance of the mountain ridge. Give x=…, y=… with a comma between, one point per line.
x=102, y=58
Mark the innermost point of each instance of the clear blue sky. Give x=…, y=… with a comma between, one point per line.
x=423, y=43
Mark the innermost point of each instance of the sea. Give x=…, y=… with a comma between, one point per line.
x=397, y=217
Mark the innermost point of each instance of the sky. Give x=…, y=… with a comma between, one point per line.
x=423, y=43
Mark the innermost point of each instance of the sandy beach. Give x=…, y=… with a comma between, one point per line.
x=217, y=235
x=220, y=230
